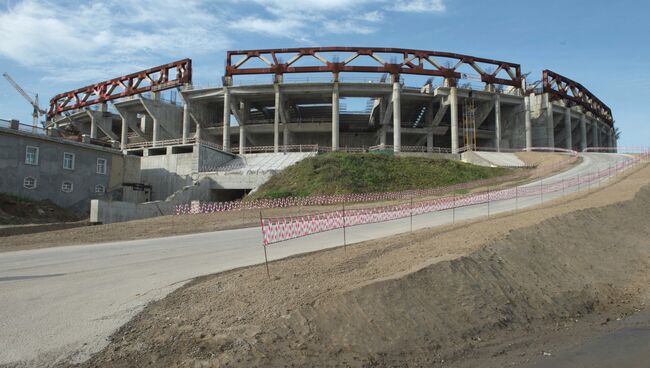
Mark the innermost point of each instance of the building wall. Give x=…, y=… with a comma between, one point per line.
x=170, y=172
x=49, y=172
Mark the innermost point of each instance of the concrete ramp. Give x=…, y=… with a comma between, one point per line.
x=263, y=162
x=494, y=159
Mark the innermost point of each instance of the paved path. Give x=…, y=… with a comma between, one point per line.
x=63, y=302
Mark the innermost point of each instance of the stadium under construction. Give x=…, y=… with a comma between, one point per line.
x=154, y=135
x=340, y=98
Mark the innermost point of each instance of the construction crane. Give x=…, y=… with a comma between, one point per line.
x=32, y=101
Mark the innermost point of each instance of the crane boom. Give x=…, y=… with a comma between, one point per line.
x=33, y=102
x=23, y=93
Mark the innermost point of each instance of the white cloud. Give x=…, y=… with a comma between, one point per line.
x=302, y=19
x=435, y=6
x=69, y=40
x=287, y=27
x=66, y=40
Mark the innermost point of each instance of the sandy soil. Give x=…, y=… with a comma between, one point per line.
x=541, y=159
x=188, y=224
x=492, y=292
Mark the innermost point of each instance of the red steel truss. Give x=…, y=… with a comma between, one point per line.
x=412, y=62
x=153, y=79
x=560, y=87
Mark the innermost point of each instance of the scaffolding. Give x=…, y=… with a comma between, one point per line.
x=469, y=123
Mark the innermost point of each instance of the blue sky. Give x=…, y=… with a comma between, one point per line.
x=54, y=46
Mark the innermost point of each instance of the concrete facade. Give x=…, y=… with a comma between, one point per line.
x=278, y=114
x=169, y=169
x=93, y=171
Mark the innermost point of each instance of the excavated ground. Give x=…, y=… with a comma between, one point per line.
x=487, y=294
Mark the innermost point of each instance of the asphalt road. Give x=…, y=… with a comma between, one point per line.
x=63, y=302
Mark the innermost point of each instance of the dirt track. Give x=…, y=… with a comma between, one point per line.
x=458, y=294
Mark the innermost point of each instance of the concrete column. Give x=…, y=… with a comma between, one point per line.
x=242, y=139
x=93, y=120
x=335, y=117
x=226, y=119
x=428, y=123
x=382, y=128
x=198, y=135
x=242, y=127
x=610, y=139
x=550, y=124
x=583, y=132
x=594, y=134
x=453, y=101
x=497, y=120
x=155, y=132
x=93, y=128
x=276, y=120
x=285, y=135
x=397, y=116
x=124, y=140
x=186, y=121
x=568, y=131
x=528, y=124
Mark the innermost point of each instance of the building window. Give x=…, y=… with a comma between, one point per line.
x=66, y=186
x=29, y=183
x=101, y=166
x=31, y=155
x=68, y=161
x=99, y=189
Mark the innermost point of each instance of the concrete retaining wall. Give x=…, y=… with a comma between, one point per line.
x=442, y=156
x=107, y=212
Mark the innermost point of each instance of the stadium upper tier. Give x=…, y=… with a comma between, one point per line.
x=342, y=97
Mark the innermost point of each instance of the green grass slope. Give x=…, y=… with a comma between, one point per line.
x=343, y=173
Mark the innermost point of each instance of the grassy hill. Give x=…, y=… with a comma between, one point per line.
x=341, y=173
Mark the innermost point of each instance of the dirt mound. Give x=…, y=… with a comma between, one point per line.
x=564, y=268
x=16, y=210
x=413, y=301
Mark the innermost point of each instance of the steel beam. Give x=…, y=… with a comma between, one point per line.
x=153, y=79
x=419, y=62
x=563, y=88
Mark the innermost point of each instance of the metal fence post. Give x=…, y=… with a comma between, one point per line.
x=599, y=178
x=516, y=199
x=266, y=259
x=488, y=201
x=345, y=242
x=453, y=210
x=411, y=210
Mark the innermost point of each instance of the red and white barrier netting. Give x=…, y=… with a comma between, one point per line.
x=324, y=200
x=279, y=229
